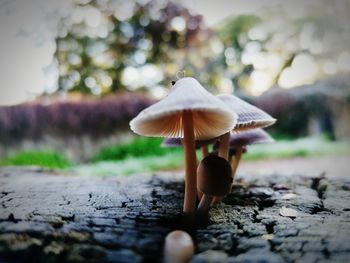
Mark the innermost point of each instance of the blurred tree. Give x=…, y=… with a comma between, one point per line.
x=109, y=45
x=281, y=47
x=234, y=36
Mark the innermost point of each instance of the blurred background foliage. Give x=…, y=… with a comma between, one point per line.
x=103, y=61
x=105, y=46
x=108, y=46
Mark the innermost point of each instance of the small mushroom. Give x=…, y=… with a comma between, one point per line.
x=214, y=179
x=249, y=117
x=189, y=112
x=178, y=248
x=240, y=141
x=238, y=146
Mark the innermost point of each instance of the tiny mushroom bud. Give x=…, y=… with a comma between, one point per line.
x=249, y=117
x=178, y=248
x=189, y=112
x=214, y=179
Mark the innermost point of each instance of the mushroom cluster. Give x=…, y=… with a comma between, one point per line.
x=191, y=117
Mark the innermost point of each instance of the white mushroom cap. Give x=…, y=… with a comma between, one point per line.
x=249, y=116
x=245, y=138
x=211, y=117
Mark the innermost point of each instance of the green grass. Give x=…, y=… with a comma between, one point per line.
x=171, y=160
x=144, y=155
x=304, y=147
x=139, y=147
x=48, y=159
x=168, y=160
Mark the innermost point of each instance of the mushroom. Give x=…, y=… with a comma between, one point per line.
x=178, y=248
x=239, y=142
x=214, y=179
x=190, y=112
x=249, y=117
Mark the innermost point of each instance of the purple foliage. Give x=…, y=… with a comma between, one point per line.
x=86, y=117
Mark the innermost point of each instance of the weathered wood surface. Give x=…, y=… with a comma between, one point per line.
x=48, y=217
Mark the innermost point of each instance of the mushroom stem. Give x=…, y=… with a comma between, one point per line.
x=202, y=215
x=205, y=151
x=200, y=193
x=204, y=204
x=224, y=145
x=223, y=152
x=234, y=165
x=236, y=160
x=191, y=165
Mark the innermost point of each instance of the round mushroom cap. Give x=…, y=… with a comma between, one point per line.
x=214, y=176
x=177, y=142
x=242, y=139
x=249, y=116
x=255, y=136
x=211, y=117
